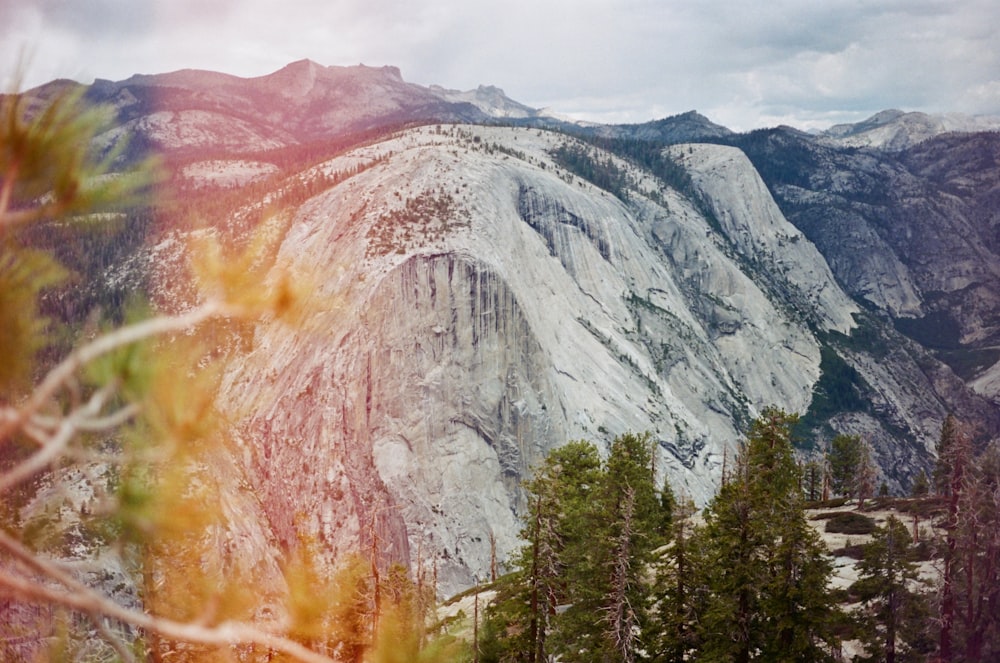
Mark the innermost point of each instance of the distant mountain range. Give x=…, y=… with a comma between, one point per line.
x=896, y=130
x=306, y=102
x=510, y=280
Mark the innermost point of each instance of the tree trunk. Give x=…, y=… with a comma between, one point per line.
x=536, y=653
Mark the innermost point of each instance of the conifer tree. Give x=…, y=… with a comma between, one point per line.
x=634, y=515
x=558, y=537
x=679, y=590
x=608, y=581
x=970, y=579
x=942, y=466
x=894, y=616
x=766, y=570
x=845, y=459
x=951, y=476
x=131, y=409
x=921, y=485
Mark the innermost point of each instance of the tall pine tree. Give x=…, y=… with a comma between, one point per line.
x=894, y=617
x=608, y=585
x=970, y=583
x=767, y=572
x=679, y=591
x=558, y=536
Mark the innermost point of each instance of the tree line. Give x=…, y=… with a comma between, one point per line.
x=616, y=568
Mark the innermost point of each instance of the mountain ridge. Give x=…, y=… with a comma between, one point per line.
x=505, y=288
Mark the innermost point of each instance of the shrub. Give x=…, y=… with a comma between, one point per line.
x=849, y=522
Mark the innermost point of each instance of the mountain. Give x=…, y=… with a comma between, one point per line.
x=909, y=233
x=897, y=130
x=490, y=99
x=492, y=306
x=191, y=110
x=487, y=290
x=686, y=127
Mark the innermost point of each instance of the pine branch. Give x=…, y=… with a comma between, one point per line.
x=52, y=447
x=78, y=596
x=15, y=418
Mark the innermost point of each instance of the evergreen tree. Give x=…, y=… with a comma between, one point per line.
x=867, y=475
x=635, y=516
x=942, y=467
x=504, y=635
x=132, y=408
x=678, y=589
x=766, y=570
x=950, y=478
x=894, y=616
x=609, y=582
x=845, y=458
x=970, y=584
x=921, y=485
x=812, y=480
x=558, y=533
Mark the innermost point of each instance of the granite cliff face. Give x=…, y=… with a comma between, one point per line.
x=478, y=305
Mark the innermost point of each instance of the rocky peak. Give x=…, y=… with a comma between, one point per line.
x=897, y=130
x=490, y=99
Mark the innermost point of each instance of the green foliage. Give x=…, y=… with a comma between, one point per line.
x=845, y=459
x=24, y=275
x=505, y=634
x=91, y=248
x=850, y=522
x=423, y=219
x=751, y=583
x=679, y=594
x=581, y=591
x=558, y=538
x=970, y=579
x=649, y=155
x=629, y=519
x=937, y=330
x=894, y=617
x=53, y=190
x=48, y=171
x=921, y=485
x=766, y=570
x=812, y=480
x=112, y=447
x=840, y=388
x=602, y=173
x=952, y=454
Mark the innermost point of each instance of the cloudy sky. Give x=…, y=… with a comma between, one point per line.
x=743, y=63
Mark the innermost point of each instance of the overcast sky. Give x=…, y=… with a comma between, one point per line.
x=743, y=63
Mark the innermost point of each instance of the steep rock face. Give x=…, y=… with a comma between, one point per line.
x=752, y=221
x=475, y=306
x=910, y=232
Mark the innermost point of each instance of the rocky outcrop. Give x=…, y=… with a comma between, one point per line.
x=476, y=306
x=473, y=304
x=909, y=232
